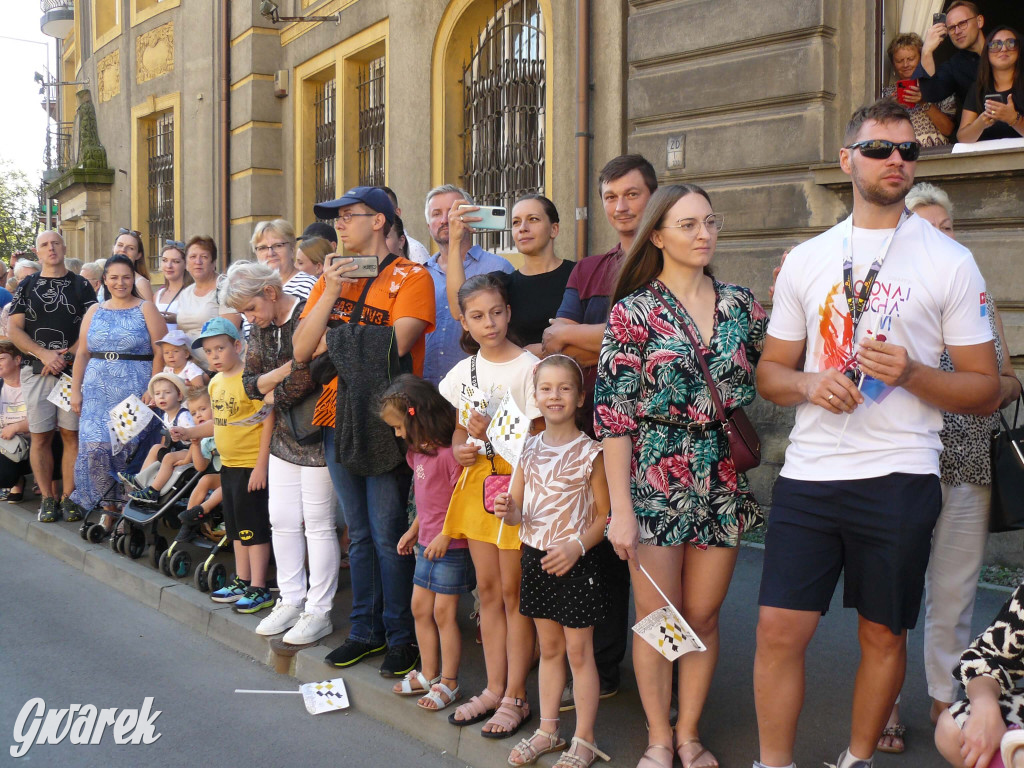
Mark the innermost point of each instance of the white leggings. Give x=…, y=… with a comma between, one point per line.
x=303, y=497
x=958, y=545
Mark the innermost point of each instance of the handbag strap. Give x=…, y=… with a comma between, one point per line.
x=715, y=398
x=488, y=448
x=1016, y=413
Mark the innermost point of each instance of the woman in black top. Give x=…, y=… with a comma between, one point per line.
x=535, y=290
x=1001, y=70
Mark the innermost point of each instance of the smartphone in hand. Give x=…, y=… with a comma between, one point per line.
x=492, y=217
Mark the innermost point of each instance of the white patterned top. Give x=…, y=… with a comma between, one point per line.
x=558, y=502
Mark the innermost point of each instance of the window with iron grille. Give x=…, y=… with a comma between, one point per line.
x=503, y=111
x=371, y=124
x=160, y=183
x=325, y=133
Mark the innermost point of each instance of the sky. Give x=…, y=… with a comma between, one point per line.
x=23, y=127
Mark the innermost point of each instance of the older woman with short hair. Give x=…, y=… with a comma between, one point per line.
x=301, y=495
x=273, y=243
x=933, y=123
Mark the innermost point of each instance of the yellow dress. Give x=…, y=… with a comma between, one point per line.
x=466, y=517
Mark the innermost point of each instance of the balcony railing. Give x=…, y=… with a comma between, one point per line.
x=58, y=149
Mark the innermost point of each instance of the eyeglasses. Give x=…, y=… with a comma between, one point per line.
x=132, y=232
x=263, y=250
x=176, y=244
x=346, y=218
x=714, y=222
x=1012, y=44
x=879, y=149
x=960, y=26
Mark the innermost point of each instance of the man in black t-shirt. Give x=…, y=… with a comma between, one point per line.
x=46, y=315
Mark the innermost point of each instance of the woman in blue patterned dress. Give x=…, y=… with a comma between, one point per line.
x=678, y=504
x=117, y=355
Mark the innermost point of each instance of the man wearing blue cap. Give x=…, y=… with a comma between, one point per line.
x=400, y=297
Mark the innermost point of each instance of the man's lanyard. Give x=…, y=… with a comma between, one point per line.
x=857, y=303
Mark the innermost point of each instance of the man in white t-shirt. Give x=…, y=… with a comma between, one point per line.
x=868, y=307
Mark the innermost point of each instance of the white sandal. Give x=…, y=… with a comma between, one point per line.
x=531, y=753
x=570, y=759
x=406, y=689
x=434, y=695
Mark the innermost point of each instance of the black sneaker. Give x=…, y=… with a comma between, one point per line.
x=71, y=511
x=49, y=510
x=193, y=515
x=400, y=660
x=351, y=651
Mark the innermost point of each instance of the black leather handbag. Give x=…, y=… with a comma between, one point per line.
x=1007, y=453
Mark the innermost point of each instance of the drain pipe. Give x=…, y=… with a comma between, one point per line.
x=583, y=135
x=224, y=63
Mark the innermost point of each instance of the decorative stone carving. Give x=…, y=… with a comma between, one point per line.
x=154, y=52
x=108, y=76
x=90, y=155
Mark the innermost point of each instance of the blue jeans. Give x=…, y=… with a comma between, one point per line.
x=381, y=578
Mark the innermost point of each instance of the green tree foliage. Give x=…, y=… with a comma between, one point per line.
x=18, y=201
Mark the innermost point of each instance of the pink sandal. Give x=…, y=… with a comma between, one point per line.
x=476, y=709
x=511, y=716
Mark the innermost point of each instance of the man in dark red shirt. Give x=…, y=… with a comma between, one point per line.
x=626, y=183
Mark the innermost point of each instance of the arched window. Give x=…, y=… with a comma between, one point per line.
x=504, y=107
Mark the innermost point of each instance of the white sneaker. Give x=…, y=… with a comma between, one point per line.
x=308, y=629
x=281, y=618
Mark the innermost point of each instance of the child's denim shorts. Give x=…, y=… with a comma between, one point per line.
x=453, y=574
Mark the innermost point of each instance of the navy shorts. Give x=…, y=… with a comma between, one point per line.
x=452, y=574
x=877, y=530
x=246, y=515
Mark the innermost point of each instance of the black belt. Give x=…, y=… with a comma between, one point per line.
x=111, y=356
x=694, y=427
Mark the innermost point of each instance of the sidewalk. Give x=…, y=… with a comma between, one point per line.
x=728, y=726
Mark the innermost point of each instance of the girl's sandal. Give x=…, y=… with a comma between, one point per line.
x=646, y=761
x=440, y=696
x=404, y=688
x=541, y=743
x=510, y=717
x=701, y=752
x=476, y=709
x=572, y=759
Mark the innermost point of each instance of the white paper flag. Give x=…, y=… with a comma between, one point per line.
x=508, y=430
x=60, y=395
x=128, y=418
x=666, y=630
x=325, y=696
x=257, y=418
x=471, y=399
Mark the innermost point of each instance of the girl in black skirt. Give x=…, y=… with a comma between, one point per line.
x=559, y=498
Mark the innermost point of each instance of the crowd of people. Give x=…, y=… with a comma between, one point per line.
x=344, y=380
x=982, y=82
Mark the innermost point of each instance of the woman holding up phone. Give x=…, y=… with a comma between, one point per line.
x=993, y=107
x=535, y=290
x=933, y=123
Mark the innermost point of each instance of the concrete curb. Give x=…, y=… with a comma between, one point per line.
x=182, y=602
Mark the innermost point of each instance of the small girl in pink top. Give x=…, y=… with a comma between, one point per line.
x=426, y=422
x=559, y=497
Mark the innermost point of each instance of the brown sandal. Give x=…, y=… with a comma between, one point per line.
x=646, y=761
x=701, y=752
x=511, y=716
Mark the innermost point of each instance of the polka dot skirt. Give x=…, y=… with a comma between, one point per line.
x=575, y=600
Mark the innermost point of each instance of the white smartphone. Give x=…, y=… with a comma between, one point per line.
x=492, y=217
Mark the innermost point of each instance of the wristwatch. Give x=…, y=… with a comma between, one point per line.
x=68, y=358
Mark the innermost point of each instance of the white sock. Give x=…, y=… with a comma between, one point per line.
x=762, y=765
x=849, y=759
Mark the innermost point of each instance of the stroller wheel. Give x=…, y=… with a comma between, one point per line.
x=95, y=533
x=83, y=531
x=217, y=576
x=134, y=543
x=181, y=564
x=201, y=580
x=163, y=564
x=115, y=543
x=156, y=549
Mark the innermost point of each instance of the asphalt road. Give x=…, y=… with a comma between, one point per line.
x=69, y=639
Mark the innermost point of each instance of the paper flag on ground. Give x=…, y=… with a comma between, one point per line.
x=508, y=430
x=325, y=696
x=668, y=633
x=128, y=418
x=257, y=418
x=60, y=395
x=471, y=399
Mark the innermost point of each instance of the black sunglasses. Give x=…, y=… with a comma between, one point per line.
x=879, y=149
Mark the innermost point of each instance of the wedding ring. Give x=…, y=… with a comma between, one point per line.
x=829, y=398
x=462, y=218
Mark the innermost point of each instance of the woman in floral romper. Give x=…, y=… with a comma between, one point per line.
x=678, y=504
